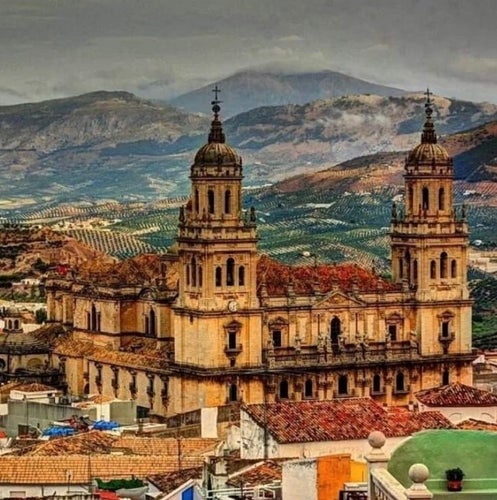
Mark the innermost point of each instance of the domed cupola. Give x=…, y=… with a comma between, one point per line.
x=216, y=152
x=428, y=152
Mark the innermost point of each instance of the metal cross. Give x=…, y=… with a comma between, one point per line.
x=216, y=91
x=428, y=94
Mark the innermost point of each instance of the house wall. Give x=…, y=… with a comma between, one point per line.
x=38, y=491
x=299, y=480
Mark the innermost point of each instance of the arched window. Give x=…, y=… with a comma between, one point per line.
x=188, y=274
x=453, y=268
x=194, y=271
x=16, y=324
x=152, y=322
x=445, y=329
x=433, y=269
x=410, y=198
x=219, y=276
x=283, y=389
x=441, y=199
x=230, y=272
x=343, y=385
x=196, y=202
x=443, y=265
x=308, y=393
x=335, y=330
x=241, y=276
x=200, y=276
x=233, y=393
x=399, y=382
x=276, y=336
x=93, y=318
x=407, y=259
x=401, y=267
x=227, y=201
x=210, y=200
x=392, y=332
x=415, y=271
x=376, y=383
x=445, y=377
x=426, y=199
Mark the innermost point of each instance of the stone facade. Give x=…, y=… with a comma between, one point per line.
x=223, y=330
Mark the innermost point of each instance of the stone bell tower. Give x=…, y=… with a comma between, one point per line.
x=429, y=245
x=217, y=241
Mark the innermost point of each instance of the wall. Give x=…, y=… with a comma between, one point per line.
x=458, y=414
x=299, y=480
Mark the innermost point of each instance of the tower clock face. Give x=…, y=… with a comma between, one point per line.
x=232, y=306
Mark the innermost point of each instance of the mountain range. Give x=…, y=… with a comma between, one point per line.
x=115, y=146
x=251, y=89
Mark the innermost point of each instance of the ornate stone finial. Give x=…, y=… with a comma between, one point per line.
x=418, y=474
x=216, y=134
x=428, y=136
x=377, y=440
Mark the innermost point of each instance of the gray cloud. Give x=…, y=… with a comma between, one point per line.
x=53, y=48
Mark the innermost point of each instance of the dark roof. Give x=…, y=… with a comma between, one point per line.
x=259, y=474
x=168, y=482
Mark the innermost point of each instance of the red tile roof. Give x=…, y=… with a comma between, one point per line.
x=256, y=475
x=168, y=482
x=476, y=425
x=324, y=277
x=340, y=419
x=456, y=394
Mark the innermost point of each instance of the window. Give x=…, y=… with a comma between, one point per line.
x=188, y=274
x=335, y=330
x=401, y=267
x=392, y=332
x=241, y=276
x=433, y=269
x=343, y=385
x=210, y=200
x=233, y=393
x=200, y=277
x=376, y=383
x=445, y=329
x=283, y=389
x=399, y=382
x=194, y=271
x=441, y=199
x=196, y=202
x=308, y=392
x=152, y=323
x=426, y=199
x=410, y=198
x=415, y=271
x=219, y=276
x=445, y=377
x=443, y=265
x=453, y=269
x=276, y=334
x=227, y=201
x=93, y=319
x=230, y=272
x=231, y=339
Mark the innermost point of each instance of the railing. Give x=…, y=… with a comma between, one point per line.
x=382, y=485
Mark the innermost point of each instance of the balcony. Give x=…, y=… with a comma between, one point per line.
x=233, y=350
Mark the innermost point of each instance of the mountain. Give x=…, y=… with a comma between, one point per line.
x=252, y=89
x=115, y=146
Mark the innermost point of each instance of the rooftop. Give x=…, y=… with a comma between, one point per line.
x=456, y=394
x=259, y=474
x=340, y=419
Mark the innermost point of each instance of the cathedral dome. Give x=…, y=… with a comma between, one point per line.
x=428, y=152
x=216, y=151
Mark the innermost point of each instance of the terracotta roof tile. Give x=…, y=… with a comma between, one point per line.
x=340, y=419
x=325, y=277
x=34, y=387
x=168, y=482
x=456, y=394
x=262, y=473
x=476, y=425
x=165, y=446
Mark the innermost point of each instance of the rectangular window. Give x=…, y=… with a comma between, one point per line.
x=392, y=332
x=276, y=338
x=232, y=339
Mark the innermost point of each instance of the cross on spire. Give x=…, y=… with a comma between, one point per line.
x=428, y=135
x=428, y=94
x=216, y=91
x=216, y=133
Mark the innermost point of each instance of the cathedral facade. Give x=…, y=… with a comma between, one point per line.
x=217, y=323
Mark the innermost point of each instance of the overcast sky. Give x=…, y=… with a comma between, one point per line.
x=159, y=48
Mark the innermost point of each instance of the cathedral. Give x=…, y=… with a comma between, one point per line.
x=217, y=323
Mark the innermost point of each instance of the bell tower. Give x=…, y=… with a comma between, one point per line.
x=429, y=244
x=217, y=241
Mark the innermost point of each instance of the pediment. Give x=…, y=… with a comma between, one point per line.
x=338, y=299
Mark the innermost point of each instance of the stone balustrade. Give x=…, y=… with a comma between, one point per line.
x=382, y=485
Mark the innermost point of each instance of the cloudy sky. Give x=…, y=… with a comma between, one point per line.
x=159, y=48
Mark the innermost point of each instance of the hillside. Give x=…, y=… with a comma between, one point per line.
x=252, y=89
x=113, y=146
